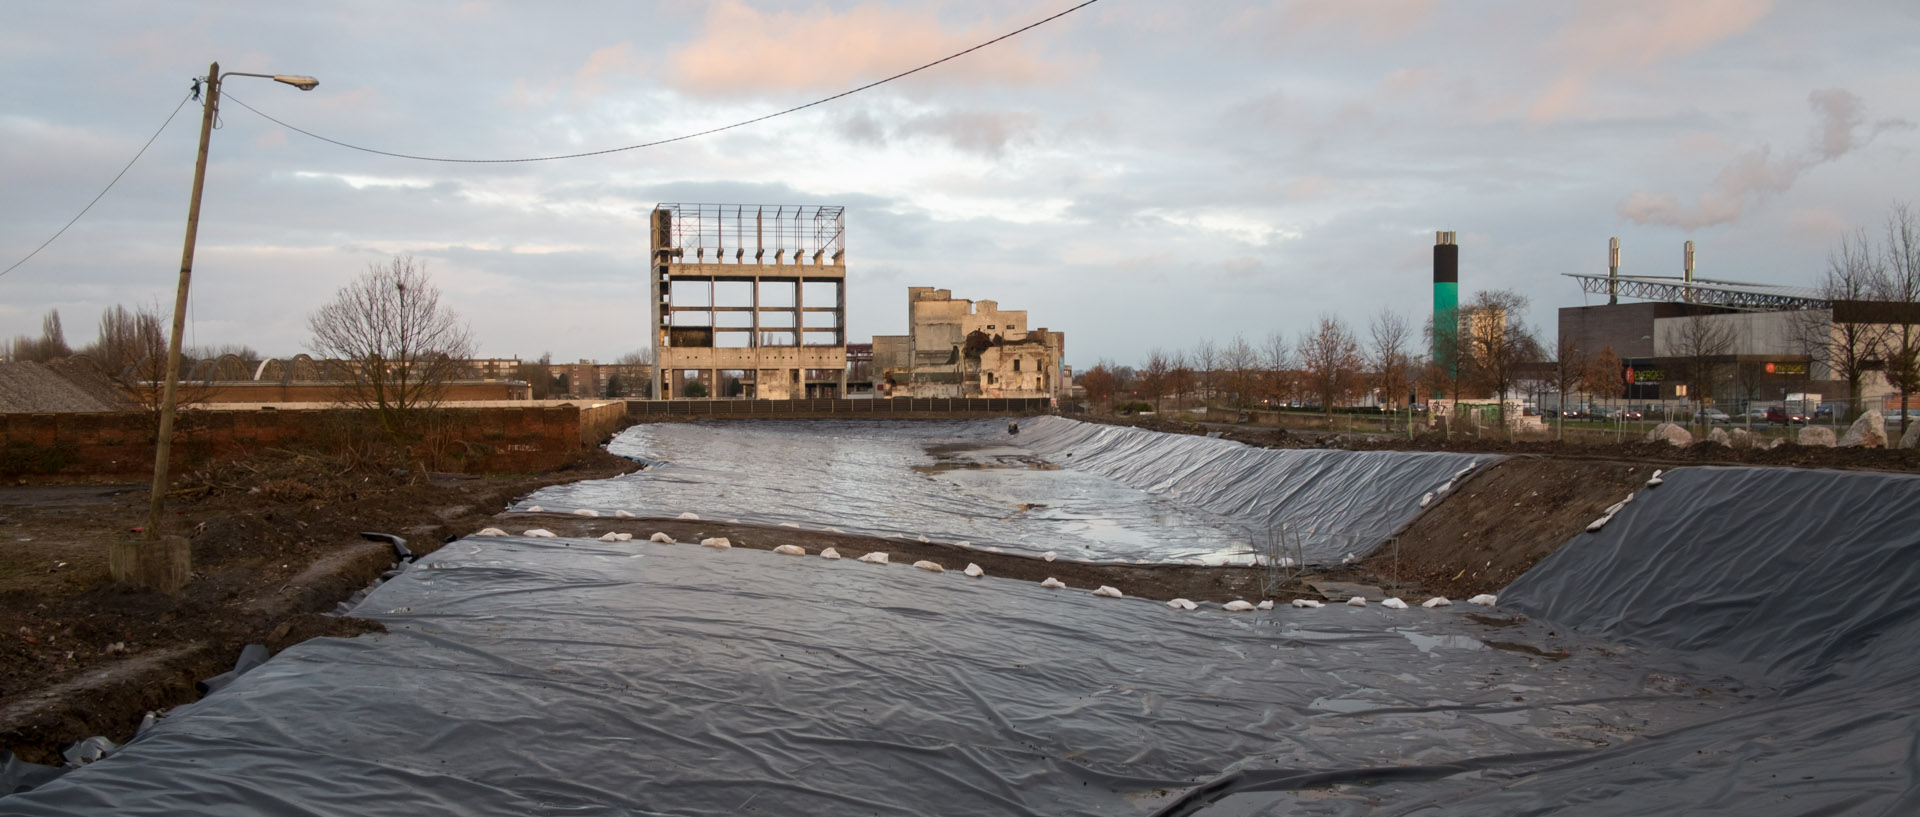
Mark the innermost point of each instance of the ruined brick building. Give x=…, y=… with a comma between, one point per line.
x=956, y=347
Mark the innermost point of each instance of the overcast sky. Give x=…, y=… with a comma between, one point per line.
x=1138, y=174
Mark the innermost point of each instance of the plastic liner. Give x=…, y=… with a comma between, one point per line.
x=1795, y=574
x=1335, y=502
x=555, y=676
x=251, y=656
x=1801, y=582
x=1089, y=492
x=878, y=478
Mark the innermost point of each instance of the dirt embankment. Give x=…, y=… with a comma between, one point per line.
x=274, y=544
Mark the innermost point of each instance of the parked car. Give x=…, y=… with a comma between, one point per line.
x=1782, y=416
x=1715, y=416
x=1631, y=414
x=1823, y=413
x=1757, y=415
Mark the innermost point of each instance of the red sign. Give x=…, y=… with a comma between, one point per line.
x=1769, y=368
x=1629, y=374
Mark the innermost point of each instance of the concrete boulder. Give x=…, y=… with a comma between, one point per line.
x=1870, y=431
x=1911, y=439
x=1719, y=436
x=1817, y=435
x=1741, y=438
x=1670, y=433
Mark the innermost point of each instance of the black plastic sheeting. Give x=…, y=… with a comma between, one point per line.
x=1801, y=582
x=575, y=677
x=1107, y=493
x=1337, y=502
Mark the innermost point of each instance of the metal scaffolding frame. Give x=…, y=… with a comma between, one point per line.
x=755, y=233
x=1702, y=291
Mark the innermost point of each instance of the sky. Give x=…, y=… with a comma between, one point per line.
x=1139, y=174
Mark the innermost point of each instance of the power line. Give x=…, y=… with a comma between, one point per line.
x=103, y=192
x=657, y=143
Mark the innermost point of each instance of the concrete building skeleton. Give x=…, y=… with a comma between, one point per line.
x=748, y=300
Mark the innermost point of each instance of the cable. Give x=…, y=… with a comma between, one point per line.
x=116, y=180
x=707, y=132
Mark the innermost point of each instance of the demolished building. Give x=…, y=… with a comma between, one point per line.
x=955, y=347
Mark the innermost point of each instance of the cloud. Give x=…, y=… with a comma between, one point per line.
x=744, y=51
x=1614, y=36
x=987, y=133
x=1757, y=174
x=1374, y=22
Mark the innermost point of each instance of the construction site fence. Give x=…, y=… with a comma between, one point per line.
x=827, y=407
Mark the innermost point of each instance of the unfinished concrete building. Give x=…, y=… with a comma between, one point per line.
x=956, y=347
x=749, y=301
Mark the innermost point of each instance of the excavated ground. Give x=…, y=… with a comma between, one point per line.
x=275, y=544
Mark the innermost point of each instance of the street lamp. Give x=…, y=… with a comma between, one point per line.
x=155, y=561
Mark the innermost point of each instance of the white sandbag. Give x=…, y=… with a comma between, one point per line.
x=930, y=567
x=1348, y=559
x=1484, y=600
x=923, y=539
x=1655, y=480
x=1052, y=582
x=1357, y=601
x=661, y=537
x=875, y=557
x=535, y=509
x=1107, y=591
x=1394, y=604
x=791, y=550
x=620, y=514
x=609, y=536
x=1426, y=500
x=832, y=529
x=585, y=512
x=829, y=553
x=690, y=515
x=974, y=570
x=1238, y=606
x=789, y=524
x=1307, y=604
x=717, y=543
x=1182, y=604
x=1049, y=556
x=491, y=532
x=623, y=537
x=1265, y=604
x=1436, y=601
x=540, y=533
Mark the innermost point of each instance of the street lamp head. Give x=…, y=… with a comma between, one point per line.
x=303, y=83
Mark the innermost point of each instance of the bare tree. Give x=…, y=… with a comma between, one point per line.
x=1388, y=355
x=401, y=346
x=1567, y=375
x=1240, y=362
x=1180, y=379
x=1698, y=347
x=1153, y=377
x=1496, y=343
x=1900, y=285
x=1277, y=356
x=1206, y=365
x=1331, y=358
x=51, y=345
x=1845, y=341
x=1099, y=383
x=634, y=369
x=1441, y=376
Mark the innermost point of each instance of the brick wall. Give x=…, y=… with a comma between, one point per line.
x=120, y=445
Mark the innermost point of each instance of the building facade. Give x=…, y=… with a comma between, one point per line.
x=956, y=347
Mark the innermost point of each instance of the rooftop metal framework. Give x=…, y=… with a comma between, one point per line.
x=1703, y=291
x=750, y=233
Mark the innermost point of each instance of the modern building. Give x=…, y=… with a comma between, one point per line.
x=748, y=301
x=956, y=347
x=1742, y=343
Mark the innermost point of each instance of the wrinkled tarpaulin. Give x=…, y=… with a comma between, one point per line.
x=1120, y=493
x=578, y=677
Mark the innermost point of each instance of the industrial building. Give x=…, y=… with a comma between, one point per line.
x=1758, y=344
x=956, y=347
x=748, y=301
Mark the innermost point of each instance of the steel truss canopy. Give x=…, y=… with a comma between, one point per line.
x=1703, y=291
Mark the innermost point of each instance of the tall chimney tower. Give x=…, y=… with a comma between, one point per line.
x=1446, y=301
x=1687, y=268
x=1613, y=270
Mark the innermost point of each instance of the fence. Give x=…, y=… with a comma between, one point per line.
x=825, y=407
x=1281, y=551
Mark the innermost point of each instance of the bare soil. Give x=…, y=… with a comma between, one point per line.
x=275, y=543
